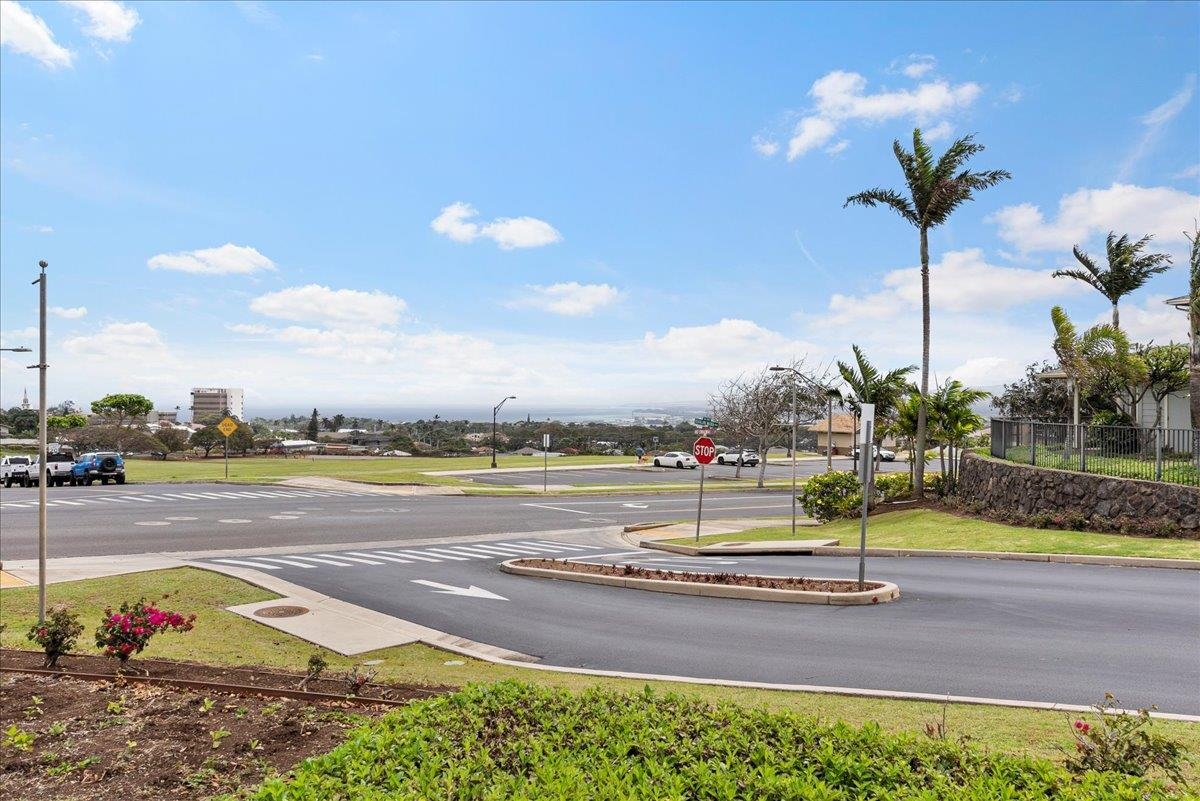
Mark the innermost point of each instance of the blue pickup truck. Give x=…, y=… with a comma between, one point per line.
x=104, y=466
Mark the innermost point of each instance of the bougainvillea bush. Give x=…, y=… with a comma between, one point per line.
x=57, y=634
x=128, y=631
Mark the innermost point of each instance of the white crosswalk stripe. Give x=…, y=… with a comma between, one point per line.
x=176, y=497
x=416, y=556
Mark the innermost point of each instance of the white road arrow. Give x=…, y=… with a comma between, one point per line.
x=637, y=505
x=450, y=589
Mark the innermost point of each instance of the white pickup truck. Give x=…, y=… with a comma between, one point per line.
x=58, y=468
x=14, y=470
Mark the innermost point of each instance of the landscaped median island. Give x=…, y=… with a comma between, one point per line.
x=791, y=589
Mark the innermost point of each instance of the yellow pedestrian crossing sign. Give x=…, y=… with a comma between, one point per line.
x=227, y=426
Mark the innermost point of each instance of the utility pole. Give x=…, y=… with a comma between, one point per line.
x=41, y=367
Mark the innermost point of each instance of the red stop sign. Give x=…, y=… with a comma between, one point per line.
x=704, y=450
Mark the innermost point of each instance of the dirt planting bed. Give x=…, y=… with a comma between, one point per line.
x=73, y=739
x=725, y=579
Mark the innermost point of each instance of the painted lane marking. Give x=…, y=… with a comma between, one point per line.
x=451, y=556
x=181, y=518
x=234, y=520
x=556, y=508
x=463, y=551
x=351, y=559
x=396, y=559
x=411, y=555
x=561, y=545
x=248, y=564
x=284, y=517
x=291, y=562
x=152, y=523
x=333, y=562
x=509, y=550
x=450, y=589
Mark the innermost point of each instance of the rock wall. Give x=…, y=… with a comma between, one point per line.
x=1001, y=486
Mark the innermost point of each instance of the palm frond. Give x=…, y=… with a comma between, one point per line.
x=885, y=197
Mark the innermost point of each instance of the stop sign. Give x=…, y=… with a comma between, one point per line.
x=704, y=450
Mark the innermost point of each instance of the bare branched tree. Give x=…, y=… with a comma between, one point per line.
x=755, y=410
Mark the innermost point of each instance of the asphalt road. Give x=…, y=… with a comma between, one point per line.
x=649, y=474
x=152, y=518
x=1016, y=630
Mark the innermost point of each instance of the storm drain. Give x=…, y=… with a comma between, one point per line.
x=280, y=611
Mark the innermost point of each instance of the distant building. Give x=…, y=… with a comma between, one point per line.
x=24, y=399
x=171, y=416
x=210, y=401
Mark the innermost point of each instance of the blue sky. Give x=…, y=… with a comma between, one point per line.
x=343, y=204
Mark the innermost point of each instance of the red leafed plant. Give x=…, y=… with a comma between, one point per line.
x=127, y=631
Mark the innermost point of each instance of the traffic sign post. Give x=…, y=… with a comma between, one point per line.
x=227, y=427
x=545, y=459
x=866, y=463
x=705, y=451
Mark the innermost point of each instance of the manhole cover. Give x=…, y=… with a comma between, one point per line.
x=280, y=611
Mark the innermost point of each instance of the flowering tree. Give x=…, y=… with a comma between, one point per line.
x=127, y=632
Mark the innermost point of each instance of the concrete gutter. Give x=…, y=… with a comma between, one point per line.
x=764, y=548
x=884, y=594
x=1063, y=558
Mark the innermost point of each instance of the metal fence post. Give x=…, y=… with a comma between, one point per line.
x=1033, y=444
x=1158, y=435
x=1083, y=438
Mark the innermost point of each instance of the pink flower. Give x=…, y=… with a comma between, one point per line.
x=1079, y=724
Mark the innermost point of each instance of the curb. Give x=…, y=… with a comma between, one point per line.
x=766, y=548
x=644, y=527
x=884, y=594
x=1058, y=558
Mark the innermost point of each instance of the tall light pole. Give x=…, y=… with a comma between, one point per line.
x=829, y=428
x=41, y=367
x=496, y=411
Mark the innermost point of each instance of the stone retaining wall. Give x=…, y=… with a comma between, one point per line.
x=1152, y=506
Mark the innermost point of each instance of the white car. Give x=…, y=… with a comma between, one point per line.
x=676, y=459
x=739, y=458
x=883, y=453
x=15, y=470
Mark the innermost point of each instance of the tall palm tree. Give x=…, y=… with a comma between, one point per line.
x=935, y=190
x=1128, y=269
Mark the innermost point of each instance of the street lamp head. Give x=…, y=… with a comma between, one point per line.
x=43, y=264
x=777, y=369
x=19, y=350
x=511, y=397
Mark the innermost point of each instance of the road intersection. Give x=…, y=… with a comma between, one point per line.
x=1015, y=630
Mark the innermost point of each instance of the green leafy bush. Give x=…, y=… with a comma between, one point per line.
x=893, y=486
x=57, y=635
x=829, y=496
x=1120, y=743
x=516, y=742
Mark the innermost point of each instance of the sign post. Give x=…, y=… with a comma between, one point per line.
x=866, y=462
x=227, y=427
x=705, y=451
x=545, y=459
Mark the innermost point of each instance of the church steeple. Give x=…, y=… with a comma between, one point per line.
x=24, y=398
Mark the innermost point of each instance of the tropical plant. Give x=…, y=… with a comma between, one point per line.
x=952, y=421
x=1127, y=270
x=935, y=189
x=122, y=408
x=1099, y=355
x=865, y=383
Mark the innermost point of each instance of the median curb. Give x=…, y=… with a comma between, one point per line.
x=884, y=594
x=764, y=548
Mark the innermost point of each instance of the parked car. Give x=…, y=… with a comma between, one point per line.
x=883, y=453
x=676, y=459
x=738, y=457
x=103, y=465
x=14, y=470
x=59, y=465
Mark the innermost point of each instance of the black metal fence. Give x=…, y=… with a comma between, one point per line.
x=1154, y=454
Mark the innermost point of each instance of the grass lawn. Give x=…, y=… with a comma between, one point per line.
x=376, y=470
x=1177, y=469
x=926, y=528
x=221, y=637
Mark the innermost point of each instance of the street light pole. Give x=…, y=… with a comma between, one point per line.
x=496, y=411
x=41, y=366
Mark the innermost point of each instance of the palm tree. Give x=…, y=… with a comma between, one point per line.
x=1128, y=269
x=935, y=190
x=866, y=384
x=1099, y=352
x=954, y=420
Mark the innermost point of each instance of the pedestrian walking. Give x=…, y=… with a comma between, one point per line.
x=641, y=453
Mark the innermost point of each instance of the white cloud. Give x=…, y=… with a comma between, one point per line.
x=245, y=328
x=1188, y=172
x=837, y=147
x=1155, y=122
x=315, y=57
x=20, y=337
x=24, y=32
x=255, y=12
x=315, y=303
x=1012, y=94
x=1158, y=210
x=840, y=97
x=128, y=342
x=45, y=229
x=919, y=65
x=571, y=299
x=962, y=282
x=228, y=259
x=1151, y=321
x=109, y=21
x=69, y=313
x=765, y=147
x=985, y=371
x=455, y=223
x=940, y=131
x=719, y=350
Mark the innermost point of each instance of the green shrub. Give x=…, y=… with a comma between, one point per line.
x=1120, y=743
x=517, y=742
x=829, y=496
x=57, y=635
x=893, y=486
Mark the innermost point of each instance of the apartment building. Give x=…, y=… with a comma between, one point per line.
x=209, y=401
